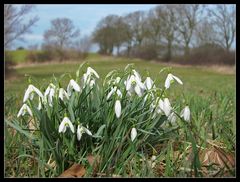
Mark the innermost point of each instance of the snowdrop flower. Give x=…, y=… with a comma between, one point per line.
x=164, y=106
x=133, y=134
x=172, y=118
x=92, y=83
x=50, y=91
x=118, y=108
x=64, y=124
x=72, y=85
x=133, y=83
x=136, y=74
x=114, y=90
x=170, y=78
x=81, y=130
x=30, y=91
x=23, y=110
x=62, y=93
x=148, y=83
x=167, y=107
x=185, y=113
x=91, y=71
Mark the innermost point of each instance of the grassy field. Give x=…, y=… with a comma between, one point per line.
x=210, y=94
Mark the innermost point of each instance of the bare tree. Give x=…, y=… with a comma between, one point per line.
x=187, y=19
x=205, y=33
x=83, y=46
x=61, y=34
x=14, y=27
x=167, y=17
x=224, y=21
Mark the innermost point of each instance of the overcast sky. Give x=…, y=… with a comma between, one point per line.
x=85, y=17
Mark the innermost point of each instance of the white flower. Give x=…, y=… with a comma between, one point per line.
x=50, y=91
x=64, y=124
x=170, y=78
x=133, y=83
x=167, y=107
x=85, y=80
x=114, y=90
x=185, y=113
x=81, y=130
x=172, y=118
x=164, y=106
x=92, y=83
x=91, y=71
x=118, y=108
x=137, y=75
x=23, y=110
x=62, y=93
x=148, y=83
x=133, y=134
x=30, y=91
x=72, y=85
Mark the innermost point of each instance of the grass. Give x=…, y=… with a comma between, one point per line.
x=210, y=95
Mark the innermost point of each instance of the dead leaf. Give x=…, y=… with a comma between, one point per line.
x=75, y=171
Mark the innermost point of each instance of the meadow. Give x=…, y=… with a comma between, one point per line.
x=211, y=98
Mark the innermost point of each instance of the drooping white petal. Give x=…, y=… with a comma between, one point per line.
x=20, y=112
x=79, y=132
x=90, y=71
x=139, y=83
x=167, y=107
x=168, y=80
x=47, y=91
x=87, y=131
x=37, y=91
x=161, y=105
x=70, y=125
x=133, y=134
x=129, y=82
x=118, y=108
x=137, y=75
x=65, y=123
x=27, y=93
x=74, y=85
x=50, y=96
x=185, y=113
x=138, y=90
x=62, y=93
x=148, y=83
x=23, y=110
x=119, y=93
x=62, y=127
x=29, y=110
x=111, y=92
x=39, y=104
x=172, y=118
x=177, y=79
x=92, y=83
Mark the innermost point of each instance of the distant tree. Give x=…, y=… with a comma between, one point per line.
x=110, y=32
x=20, y=48
x=223, y=18
x=205, y=32
x=14, y=26
x=83, y=46
x=61, y=35
x=187, y=20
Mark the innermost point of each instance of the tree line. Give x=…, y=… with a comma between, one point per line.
x=162, y=32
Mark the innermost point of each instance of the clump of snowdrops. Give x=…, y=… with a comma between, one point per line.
x=115, y=118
